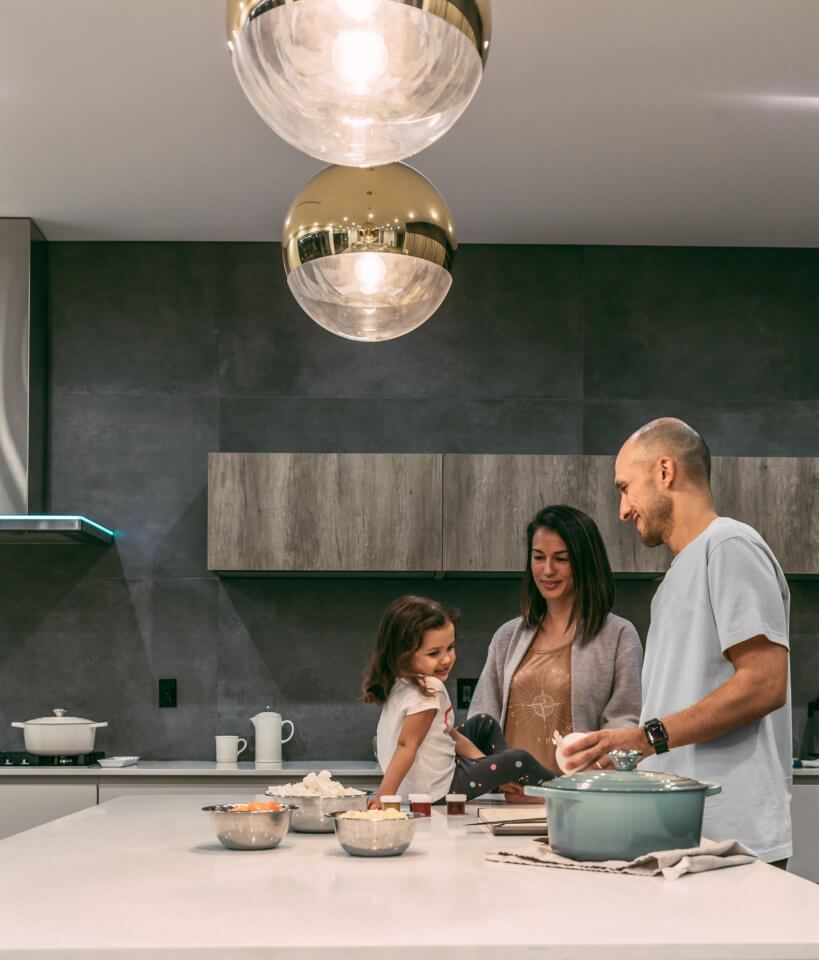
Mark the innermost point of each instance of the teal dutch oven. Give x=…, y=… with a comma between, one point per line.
x=623, y=813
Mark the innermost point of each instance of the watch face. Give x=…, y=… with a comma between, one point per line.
x=655, y=731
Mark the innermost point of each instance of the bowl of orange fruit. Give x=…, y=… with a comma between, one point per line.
x=258, y=825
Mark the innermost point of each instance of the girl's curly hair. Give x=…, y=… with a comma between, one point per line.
x=400, y=634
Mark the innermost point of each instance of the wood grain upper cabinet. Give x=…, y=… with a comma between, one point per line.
x=489, y=500
x=299, y=512
x=778, y=497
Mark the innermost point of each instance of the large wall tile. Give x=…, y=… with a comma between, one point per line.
x=399, y=426
x=510, y=327
x=754, y=428
x=301, y=646
x=98, y=647
x=135, y=317
x=137, y=464
x=713, y=325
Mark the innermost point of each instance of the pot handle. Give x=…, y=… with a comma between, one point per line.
x=20, y=725
x=712, y=789
x=292, y=730
x=103, y=724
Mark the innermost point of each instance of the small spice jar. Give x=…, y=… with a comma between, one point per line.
x=421, y=803
x=390, y=802
x=455, y=804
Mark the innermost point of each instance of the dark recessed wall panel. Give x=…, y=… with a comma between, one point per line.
x=511, y=327
x=455, y=425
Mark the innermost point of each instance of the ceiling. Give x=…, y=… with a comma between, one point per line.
x=598, y=121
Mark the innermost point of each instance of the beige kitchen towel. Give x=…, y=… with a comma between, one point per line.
x=670, y=864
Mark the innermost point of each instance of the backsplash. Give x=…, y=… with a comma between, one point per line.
x=163, y=352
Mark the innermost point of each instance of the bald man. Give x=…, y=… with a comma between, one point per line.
x=716, y=688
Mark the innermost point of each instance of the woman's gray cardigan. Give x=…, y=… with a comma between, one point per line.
x=606, y=690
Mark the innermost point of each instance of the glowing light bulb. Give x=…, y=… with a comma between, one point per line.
x=358, y=9
x=359, y=57
x=370, y=271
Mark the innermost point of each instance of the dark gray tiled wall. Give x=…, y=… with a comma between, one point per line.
x=161, y=353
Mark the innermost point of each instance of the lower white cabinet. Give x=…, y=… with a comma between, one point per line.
x=31, y=802
x=218, y=791
x=805, y=817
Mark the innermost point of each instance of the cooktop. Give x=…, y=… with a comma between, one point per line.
x=19, y=758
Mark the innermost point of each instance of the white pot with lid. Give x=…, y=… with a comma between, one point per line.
x=59, y=735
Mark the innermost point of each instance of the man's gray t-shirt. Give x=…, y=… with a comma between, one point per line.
x=725, y=587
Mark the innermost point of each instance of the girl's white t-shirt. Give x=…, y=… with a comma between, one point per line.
x=434, y=764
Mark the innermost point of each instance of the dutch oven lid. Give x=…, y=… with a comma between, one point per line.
x=59, y=718
x=624, y=779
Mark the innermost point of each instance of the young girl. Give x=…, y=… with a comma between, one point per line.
x=418, y=748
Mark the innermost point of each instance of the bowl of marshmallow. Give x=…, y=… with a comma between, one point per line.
x=315, y=799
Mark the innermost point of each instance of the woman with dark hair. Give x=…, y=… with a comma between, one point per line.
x=567, y=663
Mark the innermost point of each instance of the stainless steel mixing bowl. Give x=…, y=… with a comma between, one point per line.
x=251, y=829
x=314, y=814
x=375, y=838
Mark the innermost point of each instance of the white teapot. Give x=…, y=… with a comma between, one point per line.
x=269, y=741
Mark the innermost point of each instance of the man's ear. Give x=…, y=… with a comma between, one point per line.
x=667, y=471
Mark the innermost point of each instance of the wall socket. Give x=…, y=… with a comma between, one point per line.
x=167, y=692
x=466, y=688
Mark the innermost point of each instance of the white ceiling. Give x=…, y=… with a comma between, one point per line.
x=598, y=121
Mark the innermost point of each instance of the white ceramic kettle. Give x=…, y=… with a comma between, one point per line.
x=269, y=741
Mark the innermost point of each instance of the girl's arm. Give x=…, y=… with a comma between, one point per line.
x=464, y=747
x=415, y=728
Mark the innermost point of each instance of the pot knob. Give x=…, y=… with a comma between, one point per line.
x=59, y=712
x=624, y=759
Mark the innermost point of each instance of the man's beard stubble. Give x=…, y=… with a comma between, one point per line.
x=658, y=520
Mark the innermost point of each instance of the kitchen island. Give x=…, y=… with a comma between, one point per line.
x=141, y=877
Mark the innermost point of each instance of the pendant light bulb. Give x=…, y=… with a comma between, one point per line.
x=359, y=82
x=370, y=271
x=360, y=58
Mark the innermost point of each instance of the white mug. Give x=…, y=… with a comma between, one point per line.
x=228, y=749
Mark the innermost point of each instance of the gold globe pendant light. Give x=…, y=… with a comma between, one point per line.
x=368, y=251
x=359, y=82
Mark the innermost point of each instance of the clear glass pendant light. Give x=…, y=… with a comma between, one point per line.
x=368, y=251
x=359, y=82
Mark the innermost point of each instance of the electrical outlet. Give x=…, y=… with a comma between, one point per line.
x=466, y=688
x=167, y=692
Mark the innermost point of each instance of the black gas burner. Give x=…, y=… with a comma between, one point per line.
x=21, y=759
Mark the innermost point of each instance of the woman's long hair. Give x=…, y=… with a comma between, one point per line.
x=400, y=634
x=591, y=571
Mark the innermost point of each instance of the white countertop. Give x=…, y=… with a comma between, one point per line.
x=141, y=877
x=204, y=768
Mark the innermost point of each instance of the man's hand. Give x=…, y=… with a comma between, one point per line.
x=374, y=804
x=592, y=749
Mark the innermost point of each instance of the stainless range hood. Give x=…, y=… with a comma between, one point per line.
x=23, y=382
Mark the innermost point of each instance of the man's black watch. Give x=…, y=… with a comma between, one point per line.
x=657, y=735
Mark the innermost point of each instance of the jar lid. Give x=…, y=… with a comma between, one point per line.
x=59, y=718
x=391, y=798
x=420, y=798
x=456, y=798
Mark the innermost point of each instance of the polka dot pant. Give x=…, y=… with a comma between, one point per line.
x=502, y=764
